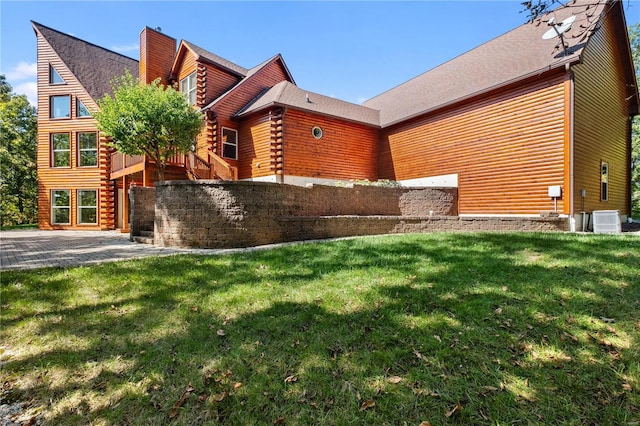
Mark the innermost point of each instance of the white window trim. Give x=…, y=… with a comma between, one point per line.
x=54, y=207
x=80, y=150
x=187, y=92
x=227, y=143
x=79, y=208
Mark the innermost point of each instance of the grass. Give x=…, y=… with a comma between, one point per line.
x=473, y=329
x=23, y=226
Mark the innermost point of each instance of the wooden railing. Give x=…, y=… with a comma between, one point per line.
x=198, y=167
x=121, y=161
x=222, y=169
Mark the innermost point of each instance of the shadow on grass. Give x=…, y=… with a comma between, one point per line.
x=516, y=328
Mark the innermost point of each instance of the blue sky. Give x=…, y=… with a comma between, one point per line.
x=349, y=50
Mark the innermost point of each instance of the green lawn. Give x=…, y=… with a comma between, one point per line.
x=487, y=328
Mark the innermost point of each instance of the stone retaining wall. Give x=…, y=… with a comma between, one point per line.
x=142, y=209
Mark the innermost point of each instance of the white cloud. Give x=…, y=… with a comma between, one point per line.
x=30, y=90
x=22, y=71
x=126, y=48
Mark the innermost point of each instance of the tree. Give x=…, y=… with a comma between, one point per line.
x=634, y=41
x=151, y=119
x=18, y=150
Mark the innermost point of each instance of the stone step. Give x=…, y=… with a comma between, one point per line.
x=148, y=234
x=142, y=240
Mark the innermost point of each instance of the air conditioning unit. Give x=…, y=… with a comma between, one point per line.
x=606, y=222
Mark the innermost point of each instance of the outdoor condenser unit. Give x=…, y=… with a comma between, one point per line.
x=606, y=222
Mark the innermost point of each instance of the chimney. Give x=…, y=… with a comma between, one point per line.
x=157, y=52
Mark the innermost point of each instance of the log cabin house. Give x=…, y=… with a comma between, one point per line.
x=520, y=125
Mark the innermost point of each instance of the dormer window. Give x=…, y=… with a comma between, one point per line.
x=54, y=76
x=188, y=87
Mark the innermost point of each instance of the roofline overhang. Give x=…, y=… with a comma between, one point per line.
x=199, y=58
x=566, y=65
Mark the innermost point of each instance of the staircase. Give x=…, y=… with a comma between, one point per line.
x=215, y=168
x=145, y=237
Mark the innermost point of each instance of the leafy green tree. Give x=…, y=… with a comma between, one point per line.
x=18, y=150
x=634, y=39
x=151, y=119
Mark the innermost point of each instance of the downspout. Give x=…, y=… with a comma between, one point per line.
x=572, y=219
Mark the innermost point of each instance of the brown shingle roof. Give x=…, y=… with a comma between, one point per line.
x=287, y=94
x=508, y=58
x=93, y=66
x=216, y=60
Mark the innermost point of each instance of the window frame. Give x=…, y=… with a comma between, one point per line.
x=604, y=180
x=78, y=115
x=80, y=207
x=225, y=143
x=190, y=90
x=53, y=150
x=54, y=207
x=53, y=71
x=79, y=150
x=51, y=109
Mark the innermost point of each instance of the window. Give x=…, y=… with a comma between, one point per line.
x=87, y=149
x=604, y=181
x=60, y=150
x=188, y=87
x=54, y=77
x=229, y=143
x=60, y=106
x=88, y=206
x=82, y=110
x=61, y=207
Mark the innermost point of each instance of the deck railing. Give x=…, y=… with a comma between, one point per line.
x=120, y=161
x=222, y=169
x=198, y=167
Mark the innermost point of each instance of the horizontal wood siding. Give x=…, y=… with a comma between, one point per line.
x=601, y=123
x=254, y=139
x=217, y=82
x=157, y=52
x=69, y=178
x=266, y=77
x=506, y=149
x=346, y=150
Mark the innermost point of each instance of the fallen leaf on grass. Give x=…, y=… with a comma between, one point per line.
x=220, y=333
x=626, y=386
x=181, y=401
x=435, y=336
x=367, y=404
x=425, y=423
x=608, y=320
x=420, y=356
x=454, y=410
x=219, y=397
x=278, y=421
x=238, y=385
x=291, y=379
x=486, y=390
x=394, y=379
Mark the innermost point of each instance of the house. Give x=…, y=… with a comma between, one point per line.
x=520, y=125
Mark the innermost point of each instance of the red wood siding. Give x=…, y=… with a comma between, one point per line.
x=254, y=141
x=157, y=52
x=601, y=123
x=68, y=178
x=346, y=151
x=217, y=82
x=506, y=148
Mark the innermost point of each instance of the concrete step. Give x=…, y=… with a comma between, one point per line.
x=142, y=240
x=148, y=234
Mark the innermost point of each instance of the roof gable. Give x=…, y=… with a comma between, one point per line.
x=511, y=57
x=92, y=65
x=206, y=56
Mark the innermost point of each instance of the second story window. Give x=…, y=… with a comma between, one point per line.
x=60, y=106
x=60, y=150
x=87, y=149
x=229, y=143
x=188, y=87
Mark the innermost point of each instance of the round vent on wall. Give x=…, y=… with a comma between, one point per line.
x=316, y=132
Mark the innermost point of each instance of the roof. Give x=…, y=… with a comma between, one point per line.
x=511, y=57
x=214, y=59
x=92, y=65
x=287, y=94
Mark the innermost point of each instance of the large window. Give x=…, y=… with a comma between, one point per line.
x=604, y=181
x=188, y=87
x=87, y=149
x=87, y=206
x=54, y=76
x=82, y=110
x=60, y=150
x=61, y=207
x=60, y=106
x=229, y=143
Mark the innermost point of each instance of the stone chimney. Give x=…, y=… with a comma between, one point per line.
x=157, y=52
